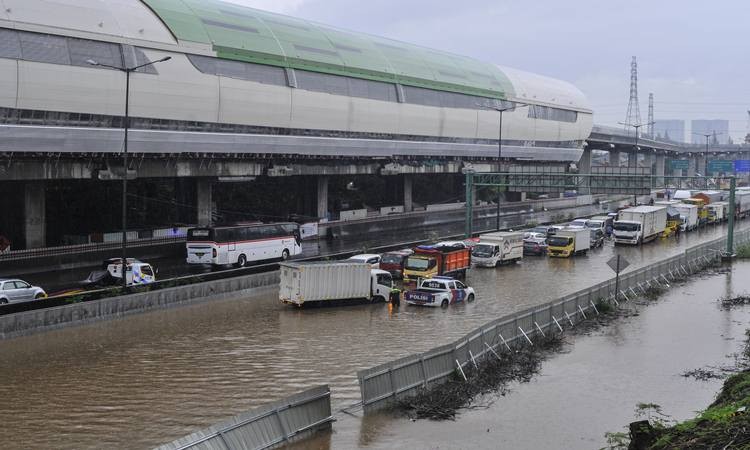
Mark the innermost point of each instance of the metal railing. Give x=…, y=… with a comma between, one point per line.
x=269, y=426
x=406, y=376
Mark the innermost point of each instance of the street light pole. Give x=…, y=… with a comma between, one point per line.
x=637, y=127
x=501, y=110
x=126, y=126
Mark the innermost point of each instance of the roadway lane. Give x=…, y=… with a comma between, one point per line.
x=517, y=216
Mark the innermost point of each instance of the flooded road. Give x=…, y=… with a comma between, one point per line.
x=147, y=379
x=593, y=387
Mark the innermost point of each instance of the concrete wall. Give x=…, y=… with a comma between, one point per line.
x=30, y=322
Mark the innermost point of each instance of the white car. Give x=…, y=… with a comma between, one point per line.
x=14, y=290
x=578, y=223
x=369, y=258
x=439, y=291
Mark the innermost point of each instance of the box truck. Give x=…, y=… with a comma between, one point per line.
x=640, y=224
x=568, y=242
x=497, y=248
x=689, y=215
x=332, y=282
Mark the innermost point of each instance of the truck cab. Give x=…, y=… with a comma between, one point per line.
x=568, y=242
x=432, y=260
x=136, y=273
x=627, y=232
x=439, y=291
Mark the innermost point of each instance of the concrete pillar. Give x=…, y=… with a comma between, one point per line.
x=691, y=166
x=633, y=159
x=700, y=165
x=35, y=222
x=523, y=196
x=660, y=163
x=584, y=167
x=614, y=158
x=204, y=201
x=322, y=197
x=408, y=201
x=648, y=161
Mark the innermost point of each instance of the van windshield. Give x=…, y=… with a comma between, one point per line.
x=594, y=224
x=559, y=241
x=483, y=250
x=622, y=226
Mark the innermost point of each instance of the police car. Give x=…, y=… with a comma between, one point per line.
x=439, y=291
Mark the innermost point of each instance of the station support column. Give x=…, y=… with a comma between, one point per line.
x=614, y=158
x=35, y=221
x=660, y=167
x=633, y=159
x=584, y=167
x=322, y=210
x=408, y=201
x=204, y=201
x=691, y=166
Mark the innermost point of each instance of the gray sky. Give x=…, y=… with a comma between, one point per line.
x=691, y=54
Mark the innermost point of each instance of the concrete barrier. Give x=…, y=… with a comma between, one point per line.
x=353, y=214
x=30, y=322
x=273, y=425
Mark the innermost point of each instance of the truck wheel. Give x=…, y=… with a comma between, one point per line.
x=471, y=298
x=285, y=255
x=444, y=304
x=241, y=261
x=377, y=299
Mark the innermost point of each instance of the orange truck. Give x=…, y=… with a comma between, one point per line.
x=433, y=260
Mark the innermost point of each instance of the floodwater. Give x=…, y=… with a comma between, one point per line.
x=147, y=379
x=591, y=388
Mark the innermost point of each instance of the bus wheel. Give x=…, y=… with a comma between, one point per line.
x=241, y=261
x=285, y=255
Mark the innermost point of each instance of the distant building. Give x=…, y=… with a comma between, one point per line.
x=673, y=130
x=719, y=127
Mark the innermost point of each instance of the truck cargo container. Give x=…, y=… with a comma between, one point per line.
x=640, y=224
x=432, y=260
x=332, y=282
x=742, y=202
x=568, y=242
x=688, y=215
x=702, y=211
x=717, y=211
x=498, y=248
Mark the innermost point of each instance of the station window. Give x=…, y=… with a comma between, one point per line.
x=549, y=113
x=340, y=85
x=239, y=70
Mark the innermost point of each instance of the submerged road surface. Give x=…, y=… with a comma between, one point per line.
x=147, y=379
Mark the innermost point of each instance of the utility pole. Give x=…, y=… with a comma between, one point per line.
x=501, y=109
x=126, y=124
x=633, y=115
x=708, y=136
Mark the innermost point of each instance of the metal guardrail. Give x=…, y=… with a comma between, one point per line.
x=385, y=383
x=269, y=426
x=17, y=255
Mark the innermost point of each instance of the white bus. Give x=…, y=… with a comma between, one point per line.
x=241, y=244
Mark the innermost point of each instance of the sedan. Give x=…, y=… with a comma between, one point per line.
x=14, y=290
x=534, y=246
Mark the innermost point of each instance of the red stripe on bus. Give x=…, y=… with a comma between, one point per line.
x=239, y=242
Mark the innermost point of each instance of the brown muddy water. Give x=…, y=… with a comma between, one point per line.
x=148, y=379
x=594, y=386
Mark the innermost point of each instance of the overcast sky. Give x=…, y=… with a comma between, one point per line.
x=693, y=55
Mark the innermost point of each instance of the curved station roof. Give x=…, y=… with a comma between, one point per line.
x=247, y=34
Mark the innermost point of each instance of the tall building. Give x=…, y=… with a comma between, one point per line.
x=673, y=130
x=718, y=126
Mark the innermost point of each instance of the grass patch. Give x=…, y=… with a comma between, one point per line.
x=743, y=251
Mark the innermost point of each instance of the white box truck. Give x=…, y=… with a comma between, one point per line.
x=332, y=282
x=742, y=202
x=497, y=248
x=568, y=242
x=640, y=224
x=717, y=211
x=688, y=216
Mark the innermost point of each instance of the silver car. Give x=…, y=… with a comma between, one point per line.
x=13, y=290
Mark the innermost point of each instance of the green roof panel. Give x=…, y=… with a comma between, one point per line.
x=247, y=34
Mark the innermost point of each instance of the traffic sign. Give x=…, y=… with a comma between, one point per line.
x=742, y=165
x=618, y=263
x=720, y=166
x=678, y=164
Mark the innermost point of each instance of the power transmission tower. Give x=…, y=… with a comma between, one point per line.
x=651, y=115
x=634, y=110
